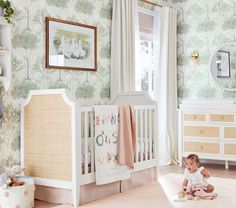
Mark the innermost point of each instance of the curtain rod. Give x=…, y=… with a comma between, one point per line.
x=153, y=4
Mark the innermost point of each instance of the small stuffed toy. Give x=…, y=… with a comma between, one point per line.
x=185, y=193
x=10, y=177
x=17, y=170
x=5, y=181
x=181, y=194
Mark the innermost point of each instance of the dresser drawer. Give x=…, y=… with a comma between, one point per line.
x=230, y=149
x=230, y=132
x=194, y=117
x=201, y=131
x=202, y=147
x=222, y=117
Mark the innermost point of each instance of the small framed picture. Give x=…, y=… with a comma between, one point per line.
x=223, y=63
x=70, y=45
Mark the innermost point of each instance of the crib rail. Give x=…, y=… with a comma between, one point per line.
x=145, y=141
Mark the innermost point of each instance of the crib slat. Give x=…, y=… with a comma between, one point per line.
x=85, y=142
x=146, y=141
x=141, y=136
x=92, y=141
x=137, y=125
x=150, y=133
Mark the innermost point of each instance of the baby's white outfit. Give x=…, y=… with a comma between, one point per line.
x=196, y=177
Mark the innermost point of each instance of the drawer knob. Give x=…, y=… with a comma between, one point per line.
x=201, y=147
x=201, y=131
x=222, y=117
x=194, y=117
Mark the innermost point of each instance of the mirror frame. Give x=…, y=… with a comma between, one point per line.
x=214, y=78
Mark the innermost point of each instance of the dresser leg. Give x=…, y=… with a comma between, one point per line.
x=180, y=161
x=226, y=164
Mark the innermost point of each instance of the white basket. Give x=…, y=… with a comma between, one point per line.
x=18, y=196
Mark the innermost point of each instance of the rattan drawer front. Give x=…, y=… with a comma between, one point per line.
x=230, y=132
x=230, y=149
x=194, y=117
x=201, y=131
x=222, y=117
x=202, y=147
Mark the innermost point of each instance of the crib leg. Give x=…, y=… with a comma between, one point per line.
x=156, y=176
x=180, y=160
x=76, y=198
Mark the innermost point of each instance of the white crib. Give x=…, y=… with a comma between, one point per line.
x=57, y=138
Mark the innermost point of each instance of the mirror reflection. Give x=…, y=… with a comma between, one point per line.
x=223, y=67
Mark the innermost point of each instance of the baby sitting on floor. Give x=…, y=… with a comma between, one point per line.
x=195, y=182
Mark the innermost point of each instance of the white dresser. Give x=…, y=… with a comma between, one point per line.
x=208, y=129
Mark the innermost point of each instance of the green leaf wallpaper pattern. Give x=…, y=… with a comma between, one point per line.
x=57, y=85
x=183, y=60
x=84, y=6
x=105, y=92
x=105, y=52
x=58, y=3
x=207, y=25
x=85, y=91
x=106, y=11
x=221, y=7
x=183, y=28
x=9, y=161
x=229, y=24
x=22, y=89
x=206, y=92
x=229, y=94
x=25, y=39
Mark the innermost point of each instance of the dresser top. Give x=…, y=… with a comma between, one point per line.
x=208, y=105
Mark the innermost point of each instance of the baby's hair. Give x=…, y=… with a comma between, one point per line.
x=193, y=157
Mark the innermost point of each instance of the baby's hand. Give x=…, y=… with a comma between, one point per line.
x=205, y=173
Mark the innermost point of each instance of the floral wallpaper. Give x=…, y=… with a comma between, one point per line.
x=28, y=62
x=204, y=26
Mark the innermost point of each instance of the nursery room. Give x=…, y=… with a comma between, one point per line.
x=117, y=103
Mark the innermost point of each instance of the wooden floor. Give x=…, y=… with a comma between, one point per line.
x=215, y=171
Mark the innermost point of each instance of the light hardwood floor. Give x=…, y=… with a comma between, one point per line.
x=215, y=170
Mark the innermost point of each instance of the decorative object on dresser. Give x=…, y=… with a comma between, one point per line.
x=208, y=129
x=64, y=140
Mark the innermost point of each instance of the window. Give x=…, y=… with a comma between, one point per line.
x=147, y=65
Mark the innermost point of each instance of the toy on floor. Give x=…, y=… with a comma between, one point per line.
x=183, y=196
x=11, y=177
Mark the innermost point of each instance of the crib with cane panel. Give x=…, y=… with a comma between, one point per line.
x=57, y=138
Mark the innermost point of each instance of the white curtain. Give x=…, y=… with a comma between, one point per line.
x=124, y=45
x=167, y=85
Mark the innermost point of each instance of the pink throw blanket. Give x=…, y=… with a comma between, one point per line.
x=127, y=136
x=199, y=190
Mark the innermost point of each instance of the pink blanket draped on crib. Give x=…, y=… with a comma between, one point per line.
x=127, y=136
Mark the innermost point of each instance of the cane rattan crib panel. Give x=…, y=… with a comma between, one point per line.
x=47, y=138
